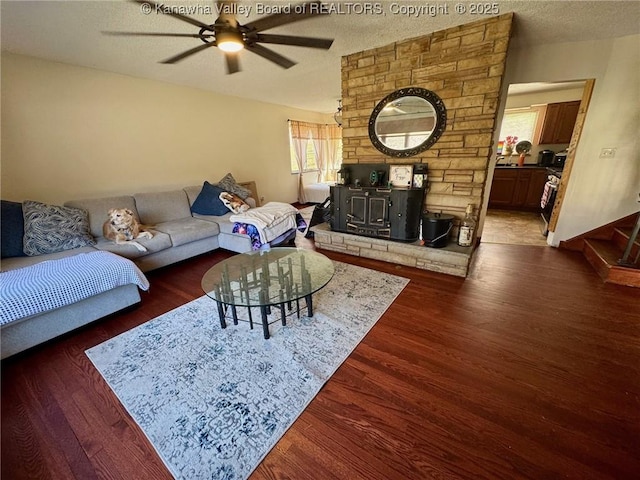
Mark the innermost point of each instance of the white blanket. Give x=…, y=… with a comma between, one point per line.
x=317, y=192
x=272, y=219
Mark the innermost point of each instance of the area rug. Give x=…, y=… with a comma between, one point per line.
x=214, y=401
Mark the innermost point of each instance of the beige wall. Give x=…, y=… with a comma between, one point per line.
x=464, y=66
x=599, y=190
x=71, y=132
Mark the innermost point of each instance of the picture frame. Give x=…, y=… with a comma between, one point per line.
x=401, y=175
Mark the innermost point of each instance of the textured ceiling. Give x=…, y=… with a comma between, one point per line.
x=70, y=32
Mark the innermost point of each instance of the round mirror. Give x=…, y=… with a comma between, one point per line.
x=407, y=122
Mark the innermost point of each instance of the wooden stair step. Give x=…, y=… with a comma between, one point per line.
x=604, y=256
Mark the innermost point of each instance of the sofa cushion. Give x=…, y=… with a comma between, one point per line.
x=208, y=201
x=233, y=202
x=51, y=228
x=97, y=209
x=159, y=207
x=12, y=233
x=188, y=230
x=229, y=184
x=159, y=242
x=224, y=224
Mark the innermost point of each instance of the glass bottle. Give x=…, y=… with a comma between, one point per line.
x=467, y=228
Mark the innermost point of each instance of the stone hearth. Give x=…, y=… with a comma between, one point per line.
x=452, y=259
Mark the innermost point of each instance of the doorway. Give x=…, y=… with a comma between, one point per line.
x=537, y=127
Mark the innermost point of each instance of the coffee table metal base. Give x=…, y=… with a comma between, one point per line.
x=265, y=311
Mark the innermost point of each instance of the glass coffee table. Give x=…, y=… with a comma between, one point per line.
x=263, y=279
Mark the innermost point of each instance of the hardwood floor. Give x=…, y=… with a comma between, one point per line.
x=529, y=368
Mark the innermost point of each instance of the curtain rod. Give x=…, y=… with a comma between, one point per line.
x=311, y=123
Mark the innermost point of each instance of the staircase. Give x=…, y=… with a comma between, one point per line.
x=604, y=247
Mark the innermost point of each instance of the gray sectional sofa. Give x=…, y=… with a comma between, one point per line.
x=178, y=235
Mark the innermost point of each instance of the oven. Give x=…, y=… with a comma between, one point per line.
x=548, y=199
x=559, y=159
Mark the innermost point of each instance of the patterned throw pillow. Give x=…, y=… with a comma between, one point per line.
x=229, y=184
x=234, y=202
x=50, y=229
x=208, y=201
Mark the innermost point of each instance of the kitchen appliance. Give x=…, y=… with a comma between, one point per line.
x=436, y=228
x=559, y=159
x=545, y=158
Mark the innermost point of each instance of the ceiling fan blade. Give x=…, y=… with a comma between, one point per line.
x=233, y=63
x=309, y=9
x=152, y=6
x=184, y=55
x=264, y=52
x=324, y=43
x=154, y=34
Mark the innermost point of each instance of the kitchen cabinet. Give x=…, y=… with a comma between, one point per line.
x=503, y=187
x=559, y=120
x=535, y=188
x=517, y=188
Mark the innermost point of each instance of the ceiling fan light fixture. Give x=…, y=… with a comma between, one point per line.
x=338, y=115
x=229, y=41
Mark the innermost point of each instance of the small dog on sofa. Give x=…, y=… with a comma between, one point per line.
x=123, y=228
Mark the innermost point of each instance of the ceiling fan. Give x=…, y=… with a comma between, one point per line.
x=231, y=37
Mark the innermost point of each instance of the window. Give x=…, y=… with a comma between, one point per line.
x=321, y=146
x=519, y=123
x=309, y=162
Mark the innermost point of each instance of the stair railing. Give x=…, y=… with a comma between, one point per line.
x=624, y=261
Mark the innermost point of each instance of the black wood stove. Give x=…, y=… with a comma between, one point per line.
x=392, y=213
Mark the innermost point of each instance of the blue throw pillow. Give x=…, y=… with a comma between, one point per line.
x=12, y=230
x=208, y=201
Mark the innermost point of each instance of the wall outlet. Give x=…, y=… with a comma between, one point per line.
x=607, y=153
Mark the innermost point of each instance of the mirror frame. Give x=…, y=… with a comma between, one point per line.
x=441, y=121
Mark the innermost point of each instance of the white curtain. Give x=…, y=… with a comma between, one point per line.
x=327, y=143
x=333, y=151
x=297, y=131
x=319, y=145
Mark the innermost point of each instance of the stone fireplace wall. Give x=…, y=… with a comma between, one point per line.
x=464, y=65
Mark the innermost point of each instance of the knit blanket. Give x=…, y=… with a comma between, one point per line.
x=271, y=220
x=55, y=283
